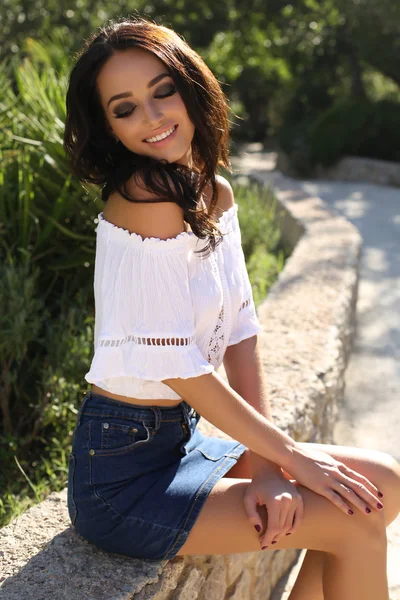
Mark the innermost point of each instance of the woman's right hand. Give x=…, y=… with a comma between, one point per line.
x=332, y=479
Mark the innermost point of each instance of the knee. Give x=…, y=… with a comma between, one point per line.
x=388, y=481
x=362, y=532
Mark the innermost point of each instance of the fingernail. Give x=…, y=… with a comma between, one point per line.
x=288, y=534
x=351, y=512
x=273, y=542
x=380, y=494
x=258, y=528
x=368, y=510
x=263, y=548
x=379, y=505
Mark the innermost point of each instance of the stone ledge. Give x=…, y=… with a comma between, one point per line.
x=357, y=168
x=350, y=168
x=308, y=324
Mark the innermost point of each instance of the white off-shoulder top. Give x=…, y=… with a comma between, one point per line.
x=162, y=311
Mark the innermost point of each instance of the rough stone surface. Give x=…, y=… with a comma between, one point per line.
x=355, y=168
x=242, y=587
x=167, y=582
x=215, y=585
x=192, y=581
x=350, y=168
x=308, y=323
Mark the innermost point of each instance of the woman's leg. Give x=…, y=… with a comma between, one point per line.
x=378, y=467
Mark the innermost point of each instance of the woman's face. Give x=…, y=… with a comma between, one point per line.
x=143, y=113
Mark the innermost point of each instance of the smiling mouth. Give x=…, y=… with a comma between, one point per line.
x=155, y=141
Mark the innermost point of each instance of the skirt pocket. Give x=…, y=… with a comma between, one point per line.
x=114, y=437
x=125, y=451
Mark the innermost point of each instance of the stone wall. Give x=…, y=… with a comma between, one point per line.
x=351, y=168
x=308, y=323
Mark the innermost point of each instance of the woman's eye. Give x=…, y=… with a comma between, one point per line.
x=123, y=114
x=128, y=112
x=170, y=93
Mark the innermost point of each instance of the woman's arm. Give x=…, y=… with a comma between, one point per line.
x=318, y=471
x=244, y=370
x=213, y=399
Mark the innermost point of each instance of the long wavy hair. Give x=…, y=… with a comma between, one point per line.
x=95, y=156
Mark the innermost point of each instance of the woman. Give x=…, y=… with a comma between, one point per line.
x=148, y=121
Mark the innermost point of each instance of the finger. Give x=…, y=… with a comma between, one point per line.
x=283, y=507
x=287, y=526
x=338, y=501
x=361, y=478
x=285, y=521
x=298, y=517
x=355, y=493
x=250, y=505
x=366, y=489
x=273, y=528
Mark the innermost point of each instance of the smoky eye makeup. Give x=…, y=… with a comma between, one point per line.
x=125, y=109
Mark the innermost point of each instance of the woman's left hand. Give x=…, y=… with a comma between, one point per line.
x=284, y=505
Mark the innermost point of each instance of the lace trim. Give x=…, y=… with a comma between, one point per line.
x=214, y=346
x=217, y=341
x=143, y=341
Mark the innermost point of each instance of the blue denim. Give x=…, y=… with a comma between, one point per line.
x=138, y=476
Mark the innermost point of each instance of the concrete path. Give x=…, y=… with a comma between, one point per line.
x=370, y=417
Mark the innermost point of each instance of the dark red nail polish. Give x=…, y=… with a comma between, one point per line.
x=258, y=528
x=368, y=510
x=380, y=494
x=379, y=505
x=288, y=534
x=263, y=548
x=351, y=512
x=273, y=542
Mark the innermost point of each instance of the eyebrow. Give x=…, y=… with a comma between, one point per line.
x=149, y=85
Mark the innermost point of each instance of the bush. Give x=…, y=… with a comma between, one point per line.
x=356, y=128
x=293, y=139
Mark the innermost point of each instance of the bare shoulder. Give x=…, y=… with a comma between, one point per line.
x=225, y=198
x=162, y=220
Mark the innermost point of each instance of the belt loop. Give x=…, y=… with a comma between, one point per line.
x=157, y=415
x=187, y=410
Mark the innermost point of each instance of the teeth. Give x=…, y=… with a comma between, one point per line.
x=157, y=138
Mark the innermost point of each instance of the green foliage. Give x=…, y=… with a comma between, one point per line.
x=277, y=62
x=46, y=303
x=357, y=128
x=293, y=139
x=261, y=239
x=348, y=128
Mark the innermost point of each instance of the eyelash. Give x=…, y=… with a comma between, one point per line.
x=127, y=113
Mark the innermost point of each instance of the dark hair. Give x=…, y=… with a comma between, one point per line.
x=94, y=155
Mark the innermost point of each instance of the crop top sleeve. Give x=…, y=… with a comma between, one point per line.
x=145, y=325
x=245, y=322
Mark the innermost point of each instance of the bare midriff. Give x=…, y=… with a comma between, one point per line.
x=158, y=402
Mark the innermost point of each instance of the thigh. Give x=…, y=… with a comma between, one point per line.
x=379, y=467
x=223, y=526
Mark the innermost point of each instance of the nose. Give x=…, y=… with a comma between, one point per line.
x=152, y=114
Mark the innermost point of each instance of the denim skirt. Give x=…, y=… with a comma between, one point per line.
x=138, y=476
